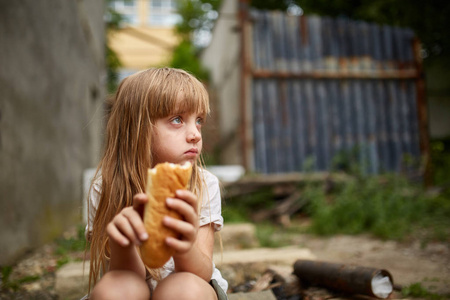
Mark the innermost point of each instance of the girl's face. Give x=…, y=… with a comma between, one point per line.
x=177, y=138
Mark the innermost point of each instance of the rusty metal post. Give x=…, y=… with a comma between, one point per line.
x=422, y=111
x=340, y=277
x=243, y=17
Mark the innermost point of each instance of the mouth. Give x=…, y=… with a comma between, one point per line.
x=192, y=151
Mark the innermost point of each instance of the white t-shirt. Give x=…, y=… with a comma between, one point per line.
x=211, y=212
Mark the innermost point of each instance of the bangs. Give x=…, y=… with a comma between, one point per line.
x=178, y=92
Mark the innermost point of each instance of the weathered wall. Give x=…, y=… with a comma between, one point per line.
x=51, y=65
x=222, y=58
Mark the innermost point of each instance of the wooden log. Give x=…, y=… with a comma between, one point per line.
x=340, y=277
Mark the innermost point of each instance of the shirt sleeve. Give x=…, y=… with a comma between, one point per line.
x=211, y=211
x=93, y=199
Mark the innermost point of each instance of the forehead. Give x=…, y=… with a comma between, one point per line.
x=175, y=93
x=195, y=103
x=186, y=104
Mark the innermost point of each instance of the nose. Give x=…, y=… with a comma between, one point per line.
x=193, y=135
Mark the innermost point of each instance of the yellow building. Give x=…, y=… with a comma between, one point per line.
x=147, y=38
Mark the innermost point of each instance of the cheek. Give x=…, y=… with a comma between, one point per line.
x=155, y=143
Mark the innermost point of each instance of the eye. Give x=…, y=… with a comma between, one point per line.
x=176, y=120
x=199, y=121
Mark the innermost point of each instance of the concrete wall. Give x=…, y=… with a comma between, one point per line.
x=222, y=58
x=51, y=91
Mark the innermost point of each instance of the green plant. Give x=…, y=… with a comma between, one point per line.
x=440, y=161
x=273, y=236
x=113, y=22
x=185, y=57
x=67, y=245
x=238, y=209
x=8, y=284
x=416, y=290
x=387, y=206
x=71, y=244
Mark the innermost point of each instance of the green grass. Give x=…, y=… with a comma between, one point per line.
x=8, y=284
x=67, y=245
x=387, y=206
x=416, y=290
x=238, y=209
x=273, y=236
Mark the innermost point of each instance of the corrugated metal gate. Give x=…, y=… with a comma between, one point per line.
x=320, y=87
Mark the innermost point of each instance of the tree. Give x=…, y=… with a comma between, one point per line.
x=197, y=16
x=113, y=63
x=197, y=21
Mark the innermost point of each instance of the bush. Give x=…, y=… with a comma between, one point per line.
x=387, y=206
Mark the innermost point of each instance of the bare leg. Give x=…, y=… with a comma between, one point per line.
x=184, y=286
x=120, y=285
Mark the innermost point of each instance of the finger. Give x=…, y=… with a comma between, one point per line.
x=116, y=236
x=124, y=226
x=139, y=201
x=184, y=209
x=188, y=197
x=136, y=223
x=178, y=245
x=187, y=231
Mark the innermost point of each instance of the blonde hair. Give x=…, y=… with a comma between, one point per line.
x=140, y=100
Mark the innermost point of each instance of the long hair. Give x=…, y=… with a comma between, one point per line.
x=140, y=100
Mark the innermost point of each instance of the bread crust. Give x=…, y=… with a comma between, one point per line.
x=162, y=182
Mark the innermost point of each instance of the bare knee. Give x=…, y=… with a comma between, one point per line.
x=186, y=286
x=120, y=285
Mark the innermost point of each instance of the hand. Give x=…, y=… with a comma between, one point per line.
x=185, y=203
x=127, y=226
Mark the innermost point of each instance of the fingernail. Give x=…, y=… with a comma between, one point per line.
x=144, y=236
x=169, y=201
x=126, y=242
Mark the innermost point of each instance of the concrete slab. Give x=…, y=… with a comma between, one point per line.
x=263, y=295
x=284, y=256
x=72, y=281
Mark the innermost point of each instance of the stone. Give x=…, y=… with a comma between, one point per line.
x=72, y=281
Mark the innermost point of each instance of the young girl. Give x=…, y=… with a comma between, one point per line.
x=156, y=116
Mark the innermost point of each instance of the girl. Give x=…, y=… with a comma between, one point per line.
x=156, y=116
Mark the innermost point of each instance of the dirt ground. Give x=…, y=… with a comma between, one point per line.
x=409, y=262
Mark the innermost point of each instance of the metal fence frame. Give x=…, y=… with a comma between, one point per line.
x=333, y=53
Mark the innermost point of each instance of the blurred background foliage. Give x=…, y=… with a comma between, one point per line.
x=113, y=22
x=388, y=206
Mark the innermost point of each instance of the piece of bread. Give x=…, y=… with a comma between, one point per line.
x=162, y=182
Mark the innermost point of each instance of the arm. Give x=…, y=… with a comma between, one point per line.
x=126, y=231
x=198, y=259
x=195, y=247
